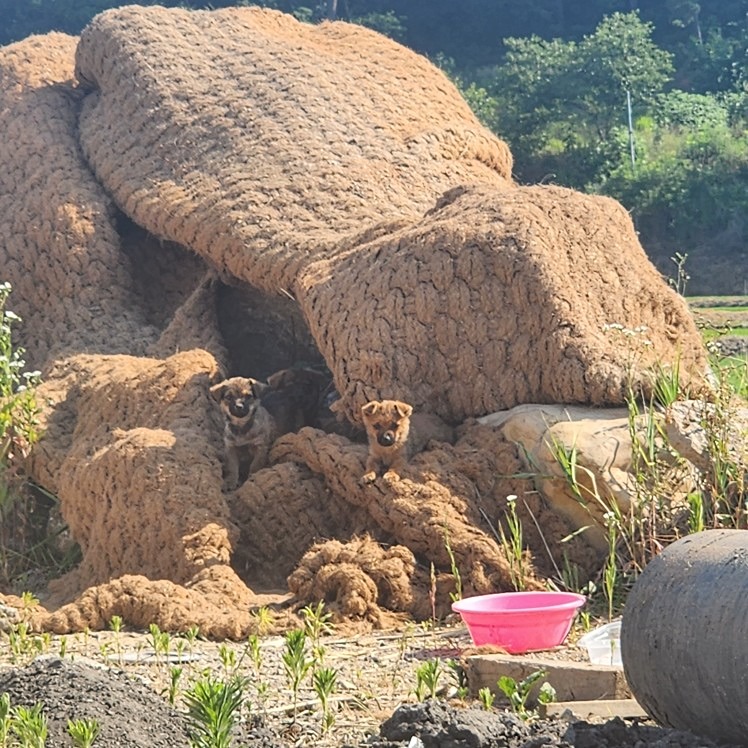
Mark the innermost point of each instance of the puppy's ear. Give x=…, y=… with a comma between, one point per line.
x=258, y=388
x=370, y=409
x=279, y=379
x=217, y=391
x=404, y=410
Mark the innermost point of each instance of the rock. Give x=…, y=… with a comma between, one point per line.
x=689, y=425
x=601, y=443
x=439, y=725
x=8, y=617
x=597, y=445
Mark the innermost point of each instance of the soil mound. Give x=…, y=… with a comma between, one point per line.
x=438, y=724
x=186, y=195
x=129, y=713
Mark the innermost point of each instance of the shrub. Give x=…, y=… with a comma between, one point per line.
x=18, y=425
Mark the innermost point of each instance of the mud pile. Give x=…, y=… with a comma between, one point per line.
x=186, y=195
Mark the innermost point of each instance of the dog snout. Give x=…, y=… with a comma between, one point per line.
x=239, y=408
x=386, y=439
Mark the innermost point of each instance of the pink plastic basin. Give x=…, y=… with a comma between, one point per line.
x=520, y=621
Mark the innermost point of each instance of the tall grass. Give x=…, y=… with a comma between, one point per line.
x=19, y=413
x=669, y=495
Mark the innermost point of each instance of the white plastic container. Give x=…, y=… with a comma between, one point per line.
x=603, y=644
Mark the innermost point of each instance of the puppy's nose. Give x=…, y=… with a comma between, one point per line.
x=241, y=407
x=387, y=439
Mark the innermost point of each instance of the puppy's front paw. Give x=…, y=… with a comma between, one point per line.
x=369, y=477
x=391, y=477
x=259, y=462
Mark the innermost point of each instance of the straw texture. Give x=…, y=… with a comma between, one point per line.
x=186, y=195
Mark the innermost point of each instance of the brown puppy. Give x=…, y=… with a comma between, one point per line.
x=250, y=428
x=387, y=424
x=395, y=433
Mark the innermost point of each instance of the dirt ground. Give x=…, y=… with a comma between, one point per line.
x=119, y=680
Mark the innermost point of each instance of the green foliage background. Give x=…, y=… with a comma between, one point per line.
x=555, y=78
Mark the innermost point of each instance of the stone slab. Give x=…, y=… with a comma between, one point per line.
x=596, y=709
x=573, y=681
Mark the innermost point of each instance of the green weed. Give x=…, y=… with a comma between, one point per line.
x=5, y=719
x=19, y=431
x=115, y=625
x=175, y=675
x=29, y=725
x=213, y=708
x=486, y=697
x=263, y=619
x=160, y=641
x=24, y=645
x=324, y=682
x=518, y=693
x=83, y=732
x=512, y=544
x=428, y=675
x=317, y=623
x=228, y=659
x=295, y=662
x=457, y=594
x=459, y=676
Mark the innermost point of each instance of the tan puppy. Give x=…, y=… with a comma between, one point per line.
x=249, y=430
x=395, y=433
x=387, y=424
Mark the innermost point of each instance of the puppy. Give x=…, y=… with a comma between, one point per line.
x=303, y=390
x=395, y=433
x=250, y=428
x=312, y=392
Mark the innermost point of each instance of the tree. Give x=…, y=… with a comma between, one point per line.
x=562, y=100
x=684, y=13
x=529, y=86
x=620, y=57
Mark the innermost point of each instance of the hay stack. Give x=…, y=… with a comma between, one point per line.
x=342, y=185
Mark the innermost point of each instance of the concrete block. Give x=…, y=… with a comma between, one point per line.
x=573, y=681
x=601, y=708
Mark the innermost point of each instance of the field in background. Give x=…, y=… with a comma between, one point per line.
x=723, y=321
x=721, y=316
